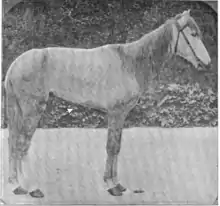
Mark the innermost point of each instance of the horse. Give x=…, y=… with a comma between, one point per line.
x=111, y=77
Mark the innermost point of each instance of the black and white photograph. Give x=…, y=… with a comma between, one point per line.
x=109, y=102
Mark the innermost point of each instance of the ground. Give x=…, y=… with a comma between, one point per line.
x=170, y=165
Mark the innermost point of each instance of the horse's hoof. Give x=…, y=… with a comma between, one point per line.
x=139, y=191
x=120, y=187
x=20, y=191
x=115, y=191
x=12, y=180
x=36, y=194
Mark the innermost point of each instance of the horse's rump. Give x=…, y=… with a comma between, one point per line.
x=27, y=69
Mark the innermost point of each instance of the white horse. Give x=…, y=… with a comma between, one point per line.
x=110, y=77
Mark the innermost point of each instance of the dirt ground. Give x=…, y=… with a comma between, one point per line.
x=172, y=166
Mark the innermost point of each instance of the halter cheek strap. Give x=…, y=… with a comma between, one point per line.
x=180, y=30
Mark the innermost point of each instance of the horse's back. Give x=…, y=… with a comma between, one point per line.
x=80, y=57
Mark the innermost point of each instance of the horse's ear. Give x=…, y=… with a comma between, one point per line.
x=186, y=12
x=189, y=11
x=184, y=18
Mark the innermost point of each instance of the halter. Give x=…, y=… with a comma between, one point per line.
x=180, y=30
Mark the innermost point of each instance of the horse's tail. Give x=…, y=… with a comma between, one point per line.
x=3, y=99
x=13, y=112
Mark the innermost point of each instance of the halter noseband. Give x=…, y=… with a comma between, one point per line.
x=180, y=30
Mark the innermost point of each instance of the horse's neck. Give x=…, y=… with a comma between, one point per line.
x=150, y=52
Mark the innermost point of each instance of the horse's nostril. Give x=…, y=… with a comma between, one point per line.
x=204, y=66
x=209, y=66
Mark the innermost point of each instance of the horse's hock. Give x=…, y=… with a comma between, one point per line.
x=177, y=166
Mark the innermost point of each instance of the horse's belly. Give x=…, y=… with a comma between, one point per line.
x=100, y=95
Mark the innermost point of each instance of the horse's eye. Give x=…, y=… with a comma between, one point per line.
x=194, y=34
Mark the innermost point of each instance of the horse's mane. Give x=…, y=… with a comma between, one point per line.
x=150, y=52
x=155, y=43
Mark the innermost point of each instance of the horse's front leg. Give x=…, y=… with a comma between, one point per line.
x=115, y=126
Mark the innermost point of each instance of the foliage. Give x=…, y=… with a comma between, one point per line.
x=190, y=98
x=186, y=105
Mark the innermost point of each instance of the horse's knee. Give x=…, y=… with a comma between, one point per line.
x=114, y=141
x=113, y=147
x=113, y=150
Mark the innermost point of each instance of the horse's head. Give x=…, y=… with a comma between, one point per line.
x=188, y=41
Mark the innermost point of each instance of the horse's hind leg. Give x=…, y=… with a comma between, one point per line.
x=12, y=179
x=21, y=129
x=29, y=128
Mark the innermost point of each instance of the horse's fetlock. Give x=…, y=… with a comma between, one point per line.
x=113, y=150
x=13, y=179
